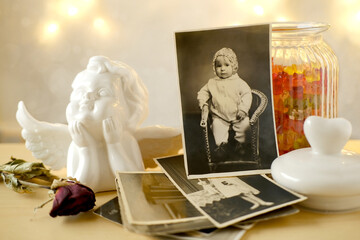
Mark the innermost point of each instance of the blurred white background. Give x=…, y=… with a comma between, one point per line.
x=44, y=44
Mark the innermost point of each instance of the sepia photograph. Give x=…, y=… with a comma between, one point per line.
x=159, y=208
x=111, y=211
x=225, y=91
x=229, y=233
x=228, y=200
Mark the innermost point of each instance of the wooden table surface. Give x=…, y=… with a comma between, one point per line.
x=19, y=221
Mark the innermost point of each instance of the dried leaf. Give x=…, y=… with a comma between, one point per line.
x=14, y=184
x=26, y=170
x=17, y=172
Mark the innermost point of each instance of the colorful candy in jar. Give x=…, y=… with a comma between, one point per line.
x=297, y=93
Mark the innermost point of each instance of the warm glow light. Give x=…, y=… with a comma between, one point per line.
x=52, y=28
x=259, y=10
x=99, y=23
x=349, y=2
x=72, y=8
x=281, y=19
x=72, y=11
x=50, y=31
x=357, y=16
x=235, y=24
x=348, y=19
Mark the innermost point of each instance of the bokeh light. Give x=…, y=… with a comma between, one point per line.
x=72, y=11
x=258, y=10
x=74, y=30
x=52, y=28
x=281, y=19
x=101, y=25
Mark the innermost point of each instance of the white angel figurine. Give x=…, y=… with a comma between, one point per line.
x=107, y=105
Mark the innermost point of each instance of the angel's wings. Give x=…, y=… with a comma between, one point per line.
x=47, y=141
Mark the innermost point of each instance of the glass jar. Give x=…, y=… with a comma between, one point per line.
x=305, y=80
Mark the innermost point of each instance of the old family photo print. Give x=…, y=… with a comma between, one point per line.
x=225, y=87
x=228, y=200
x=162, y=207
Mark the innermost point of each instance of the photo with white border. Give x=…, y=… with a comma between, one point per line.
x=228, y=200
x=226, y=100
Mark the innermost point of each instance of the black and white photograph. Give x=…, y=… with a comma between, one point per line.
x=111, y=211
x=279, y=213
x=226, y=101
x=151, y=204
x=229, y=233
x=228, y=200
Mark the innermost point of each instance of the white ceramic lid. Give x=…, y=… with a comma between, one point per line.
x=324, y=171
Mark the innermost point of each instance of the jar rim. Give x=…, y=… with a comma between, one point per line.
x=295, y=28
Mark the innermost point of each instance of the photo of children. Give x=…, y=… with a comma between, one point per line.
x=226, y=101
x=216, y=189
x=228, y=200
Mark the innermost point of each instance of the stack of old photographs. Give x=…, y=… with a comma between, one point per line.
x=218, y=188
x=168, y=204
x=226, y=201
x=150, y=203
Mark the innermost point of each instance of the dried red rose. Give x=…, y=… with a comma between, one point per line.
x=72, y=199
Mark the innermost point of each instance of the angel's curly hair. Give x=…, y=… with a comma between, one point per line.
x=128, y=81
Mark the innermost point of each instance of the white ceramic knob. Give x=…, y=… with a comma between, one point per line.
x=327, y=175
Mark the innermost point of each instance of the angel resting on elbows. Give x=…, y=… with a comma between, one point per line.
x=107, y=105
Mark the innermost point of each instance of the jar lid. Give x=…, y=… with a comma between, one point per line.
x=298, y=28
x=327, y=175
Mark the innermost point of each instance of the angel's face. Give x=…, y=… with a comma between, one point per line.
x=95, y=97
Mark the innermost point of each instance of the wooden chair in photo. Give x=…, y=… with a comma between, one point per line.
x=258, y=106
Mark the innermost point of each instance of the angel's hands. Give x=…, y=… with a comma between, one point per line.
x=80, y=135
x=112, y=130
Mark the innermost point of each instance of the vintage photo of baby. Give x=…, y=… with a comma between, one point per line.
x=226, y=101
x=227, y=98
